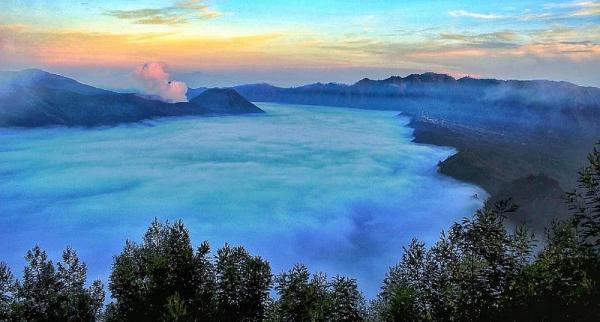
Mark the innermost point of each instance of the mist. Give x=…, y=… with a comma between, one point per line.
x=340, y=190
x=155, y=79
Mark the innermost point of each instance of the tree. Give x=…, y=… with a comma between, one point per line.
x=155, y=276
x=204, y=281
x=347, y=303
x=585, y=202
x=49, y=293
x=487, y=255
x=402, y=294
x=465, y=275
x=38, y=292
x=7, y=290
x=243, y=283
x=562, y=283
x=306, y=298
x=299, y=297
x=175, y=310
x=77, y=302
x=163, y=278
x=127, y=286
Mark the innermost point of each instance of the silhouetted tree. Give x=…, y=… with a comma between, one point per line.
x=243, y=283
x=306, y=298
x=164, y=279
x=300, y=299
x=465, y=275
x=77, y=302
x=401, y=297
x=562, y=283
x=154, y=277
x=38, y=292
x=7, y=290
x=204, y=280
x=585, y=202
x=47, y=293
x=347, y=303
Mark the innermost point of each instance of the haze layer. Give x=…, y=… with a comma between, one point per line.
x=340, y=190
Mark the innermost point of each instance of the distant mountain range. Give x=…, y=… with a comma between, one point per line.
x=537, y=101
x=32, y=98
x=431, y=85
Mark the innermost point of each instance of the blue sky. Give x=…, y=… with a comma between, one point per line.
x=225, y=42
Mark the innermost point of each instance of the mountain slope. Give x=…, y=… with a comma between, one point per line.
x=34, y=98
x=39, y=79
x=224, y=100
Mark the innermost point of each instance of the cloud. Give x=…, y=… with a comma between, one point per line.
x=500, y=39
x=180, y=13
x=573, y=9
x=156, y=80
x=590, y=8
x=463, y=13
x=557, y=12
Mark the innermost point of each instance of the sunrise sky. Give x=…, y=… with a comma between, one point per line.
x=228, y=42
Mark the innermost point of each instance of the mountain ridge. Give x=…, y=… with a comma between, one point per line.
x=33, y=98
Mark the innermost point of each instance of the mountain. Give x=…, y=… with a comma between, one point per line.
x=193, y=92
x=39, y=79
x=525, y=139
x=224, y=100
x=536, y=101
x=32, y=98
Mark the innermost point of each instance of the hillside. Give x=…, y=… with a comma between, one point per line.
x=224, y=100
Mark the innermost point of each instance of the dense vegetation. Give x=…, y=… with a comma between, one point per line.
x=480, y=270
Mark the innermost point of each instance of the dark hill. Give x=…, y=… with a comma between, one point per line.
x=224, y=100
x=541, y=199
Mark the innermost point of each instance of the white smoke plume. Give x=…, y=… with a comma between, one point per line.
x=155, y=79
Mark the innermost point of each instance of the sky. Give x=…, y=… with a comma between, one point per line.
x=287, y=43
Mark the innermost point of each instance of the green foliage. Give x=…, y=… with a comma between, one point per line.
x=585, y=201
x=175, y=310
x=7, y=290
x=482, y=271
x=347, y=303
x=164, y=279
x=243, y=283
x=561, y=284
x=48, y=292
x=303, y=297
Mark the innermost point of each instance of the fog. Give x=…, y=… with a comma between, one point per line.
x=340, y=190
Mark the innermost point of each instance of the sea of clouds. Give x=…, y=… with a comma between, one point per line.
x=340, y=190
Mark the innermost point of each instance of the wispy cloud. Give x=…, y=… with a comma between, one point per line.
x=492, y=36
x=476, y=15
x=591, y=8
x=180, y=13
x=547, y=12
x=575, y=8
